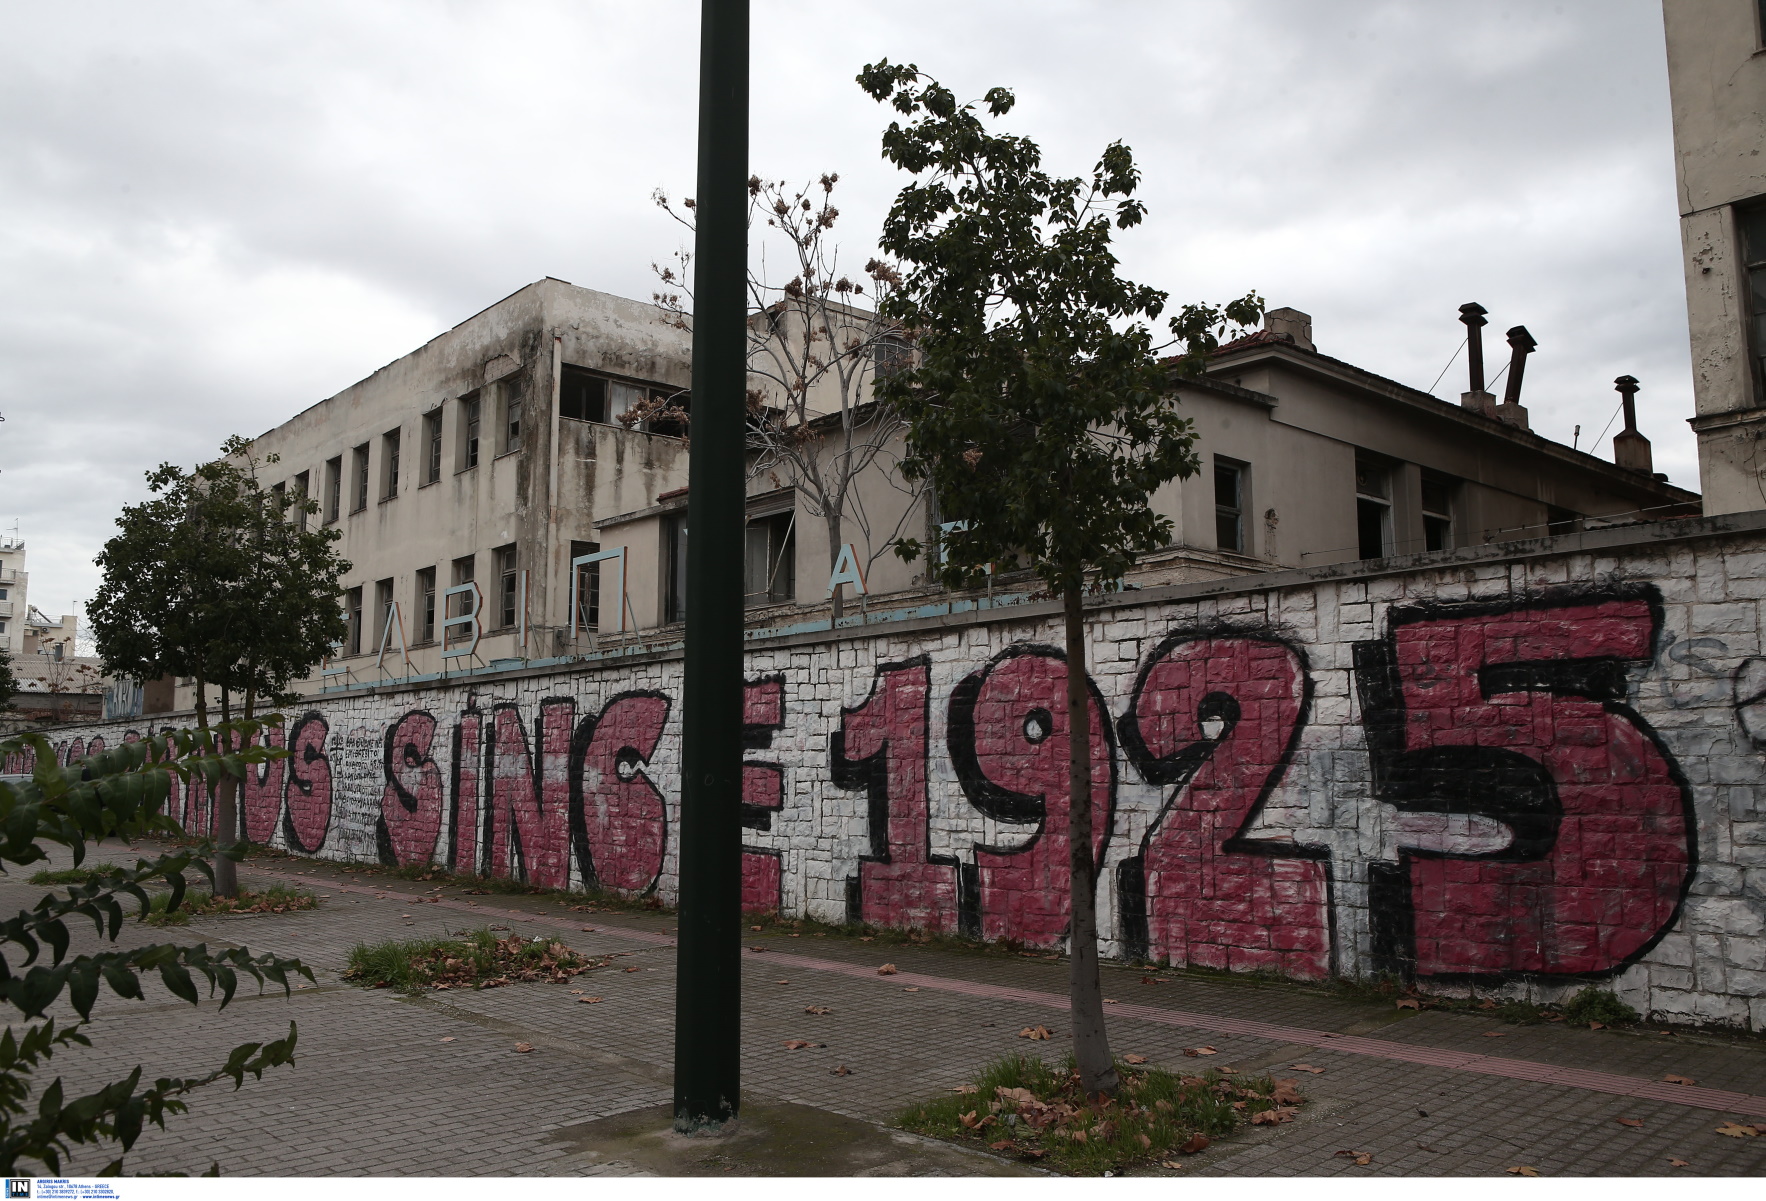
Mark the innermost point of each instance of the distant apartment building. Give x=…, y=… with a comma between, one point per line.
x=1717, y=85
x=497, y=513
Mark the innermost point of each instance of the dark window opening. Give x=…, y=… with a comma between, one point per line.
x=1751, y=219
x=769, y=567
x=675, y=557
x=432, y=444
x=588, y=587
x=1373, y=508
x=1437, y=512
x=1229, y=505
x=507, y=587
x=1561, y=521
x=581, y=396
x=426, y=605
x=333, y=487
x=352, y=607
x=890, y=354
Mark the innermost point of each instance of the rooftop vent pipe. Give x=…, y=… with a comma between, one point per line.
x=1631, y=449
x=1521, y=344
x=1473, y=316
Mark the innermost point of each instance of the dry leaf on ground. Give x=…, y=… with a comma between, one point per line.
x=817, y=1009
x=1150, y=980
x=758, y=950
x=1272, y=1117
x=524, y=1048
x=1488, y=1005
x=1678, y=1163
x=1134, y=1059
x=911, y=988
x=1494, y=1034
x=1005, y=1144
x=1196, y=1143
x=1021, y=1095
x=1671, y=1078
x=1737, y=1130
x=1145, y=1142
x=1363, y=1158
x=868, y=938
x=965, y=1088
x=1039, y=1033
x=1522, y=1169
x=448, y=1039
x=1171, y=1163
x=588, y=1000
x=887, y=969
x=842, y=1070
x=1408, y=1003
x=1192, y=1052
x=798, y=1044
x=634, y=969
x=1306, y=1067
x=1597, y=1025
x=1632, y=1122
x=588, y=929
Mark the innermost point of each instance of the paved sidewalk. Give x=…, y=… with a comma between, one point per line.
x=389, y=1085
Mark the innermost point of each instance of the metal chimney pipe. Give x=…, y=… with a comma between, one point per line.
x=1473, y=316
x=1521, y=344
x=1626, y=387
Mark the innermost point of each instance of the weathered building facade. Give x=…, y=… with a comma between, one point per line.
x=1717, y=85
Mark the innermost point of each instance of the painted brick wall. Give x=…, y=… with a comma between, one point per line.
x=1517, y=770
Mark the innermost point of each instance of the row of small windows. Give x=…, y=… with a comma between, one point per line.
x=583, y=396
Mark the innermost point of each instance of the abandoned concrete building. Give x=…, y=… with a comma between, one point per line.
x=497, y=513
x=1717, y=88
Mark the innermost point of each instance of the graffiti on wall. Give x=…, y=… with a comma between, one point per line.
x=1542, y=826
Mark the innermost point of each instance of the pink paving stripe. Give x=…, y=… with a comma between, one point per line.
x=1324, y=1040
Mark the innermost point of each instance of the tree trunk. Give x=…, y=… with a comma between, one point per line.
x=1091, y=1042
x=836, y=609
x=226, y=812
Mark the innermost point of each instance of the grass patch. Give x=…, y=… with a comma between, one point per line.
x=70, y=875
x=1022, y=1106
x=477, y=959
x=276, y=899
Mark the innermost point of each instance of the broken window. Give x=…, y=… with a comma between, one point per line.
x=1229, y=504
x=1437, y=512
x=432, y=446
x=1373, y=508
x=460, y=604
x=581, y=396
x=333, y=487
x=769, y=568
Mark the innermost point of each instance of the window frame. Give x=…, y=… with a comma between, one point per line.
x=1240, y=472
x=471, y=416
x=352, y=609
x=464, y=571
x=426, y=593
x=506, y=562
x=359, y=464
x=780, y=530
x=1365, y=502
x=1440, y=518
x=432, y=447
x=389, y=463
x=333, y=489
x=510, y=402
x=674, y=548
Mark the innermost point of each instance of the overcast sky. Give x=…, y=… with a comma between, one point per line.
x=213, y=215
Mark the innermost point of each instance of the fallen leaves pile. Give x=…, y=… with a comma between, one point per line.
x=1153, y=1116
x=478, y=961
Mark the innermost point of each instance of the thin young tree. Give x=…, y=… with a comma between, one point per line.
x=816, y=346
x=1039, y=409
x=211, y=579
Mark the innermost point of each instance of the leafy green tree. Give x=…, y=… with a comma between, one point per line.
x=222, y=580
x=8, y=681
x=118, y=793
x=1039, y=411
